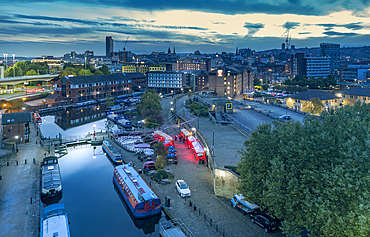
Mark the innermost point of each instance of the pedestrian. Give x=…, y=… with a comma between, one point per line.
x=36, y=142
x=175, y=138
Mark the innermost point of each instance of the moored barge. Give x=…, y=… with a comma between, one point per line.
x=140, y=198
x=51, y=182
x=54, y=221
x=112, y=153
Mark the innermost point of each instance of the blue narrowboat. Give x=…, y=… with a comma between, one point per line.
x=112, y=153
x=140, y=198
x=54, y=221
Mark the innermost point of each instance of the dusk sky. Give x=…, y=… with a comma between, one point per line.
x=39, y=27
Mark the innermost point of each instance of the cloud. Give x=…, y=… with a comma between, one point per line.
x=350, y=26
x=218, y=23
x=334, y=33
x=304, y=33
x=290, y=25
x=253, y=27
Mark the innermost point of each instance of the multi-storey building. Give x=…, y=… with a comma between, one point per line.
x=332, y=51
x=138, y=80
x=231, y=81
x=355, y=73
x=166, y=81
x=86, y=88
x=358, y=93
x=16, y=126
x=193, y=66
x=108, y=46
x=298, y=65
x=202, y=81
x=317, y=67
x=142, y=67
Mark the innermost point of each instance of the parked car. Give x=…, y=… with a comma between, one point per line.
x=150, y=165
x=183, y=188
x=267, y=222
x=285, y=117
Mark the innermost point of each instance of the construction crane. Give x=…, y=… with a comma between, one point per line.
x=124, y=47
x=287, y=41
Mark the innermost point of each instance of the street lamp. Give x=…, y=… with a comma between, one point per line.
x=16, y=143
x=94, y=126
x=6, y=59
x=13, y=65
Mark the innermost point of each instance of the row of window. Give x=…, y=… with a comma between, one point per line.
x=161, y=85
x=99, y=84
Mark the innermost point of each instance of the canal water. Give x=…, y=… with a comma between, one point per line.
x=92, y=203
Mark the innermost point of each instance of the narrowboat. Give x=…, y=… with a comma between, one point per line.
x=37, y=118
x=112, y=153
x=124, y=123
x=54, y=221
x=51, y=182
x=139, y=197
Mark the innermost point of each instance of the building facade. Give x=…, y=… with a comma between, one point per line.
x=358, y=93
x=231, y=81
x=109, y=46
x=317, y=67
x=85, y=88
x=202, y=81
x=16, y=126
x=138, y=80
x=298, y=65
x=166, y=81
x=194, y=66
x=297, y=101
x=142, y=67
x=332, y=51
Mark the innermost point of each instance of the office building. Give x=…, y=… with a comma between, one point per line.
x=109, y=46
x=298, y=65
x=317, y=67
x=333, y=52
x=166, y=81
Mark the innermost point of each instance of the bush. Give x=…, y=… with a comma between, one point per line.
x=161, y=174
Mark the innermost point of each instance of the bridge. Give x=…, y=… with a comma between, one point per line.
x=16, y=80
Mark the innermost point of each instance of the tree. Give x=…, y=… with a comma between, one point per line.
x=105, y=69
x=313, y=175
x=349, y=101
x=149, y=104
x=256, y=81
x=110, y=100
x=313, y=106
x=31, y=73
x=265, y=87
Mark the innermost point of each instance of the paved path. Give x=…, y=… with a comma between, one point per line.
x=19, y=217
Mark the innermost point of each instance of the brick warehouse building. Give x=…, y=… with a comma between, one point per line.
x=86, y=88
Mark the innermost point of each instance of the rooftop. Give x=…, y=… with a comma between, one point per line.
x=310, y=94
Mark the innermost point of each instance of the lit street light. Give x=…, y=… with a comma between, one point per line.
x=16, y=143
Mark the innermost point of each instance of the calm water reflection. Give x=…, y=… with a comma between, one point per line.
x=93, y=206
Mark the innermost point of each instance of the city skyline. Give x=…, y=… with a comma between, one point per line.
x=56, y=28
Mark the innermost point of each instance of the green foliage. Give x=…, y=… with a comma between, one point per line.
x=290, y=88
x=256, y=81
x=197, y=108
x=31, y=73
x=159, y=149
x=161, y=174
x=149, y=104
x=153, y=121
x=349, y=101
x=313, y=175
x=79, y=70
x=313, y=106
x=312, y=83
x=110, y=100
x=14, y=105
x=27, y=68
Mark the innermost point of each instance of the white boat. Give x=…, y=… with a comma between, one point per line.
x=54, y=222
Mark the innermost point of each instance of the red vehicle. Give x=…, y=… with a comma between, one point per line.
x=149, y=165
x=37, y=118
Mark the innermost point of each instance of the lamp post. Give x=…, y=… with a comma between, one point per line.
x=94, y=126
x=213, y=140
x=16, y=143
x=6, y=59
x=13, y=65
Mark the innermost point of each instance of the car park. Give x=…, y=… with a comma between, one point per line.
x=267, y=222
x=182, y=188
x=285, y=117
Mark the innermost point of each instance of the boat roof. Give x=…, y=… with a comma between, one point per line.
x=135, y=183
x=112, y=148
x=191, y=139
x=51, y=176
x=55, y=221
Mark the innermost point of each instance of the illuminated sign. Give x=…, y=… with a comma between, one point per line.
x=220, y=72
x=229, y=105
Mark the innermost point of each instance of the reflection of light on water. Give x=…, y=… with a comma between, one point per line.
x=94, y=157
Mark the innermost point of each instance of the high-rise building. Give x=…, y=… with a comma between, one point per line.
x=108, y=46
x=332, y=51
x=298, y=65
x=317, y=67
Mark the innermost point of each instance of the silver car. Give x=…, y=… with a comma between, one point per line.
x=183, y=188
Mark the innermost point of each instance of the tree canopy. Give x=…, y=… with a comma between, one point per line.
x=313, y=106
x=149, y=104
x=312, y=83
x=313, y=175
x=79, y=70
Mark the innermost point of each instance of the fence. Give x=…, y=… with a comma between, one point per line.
x=207, y=218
